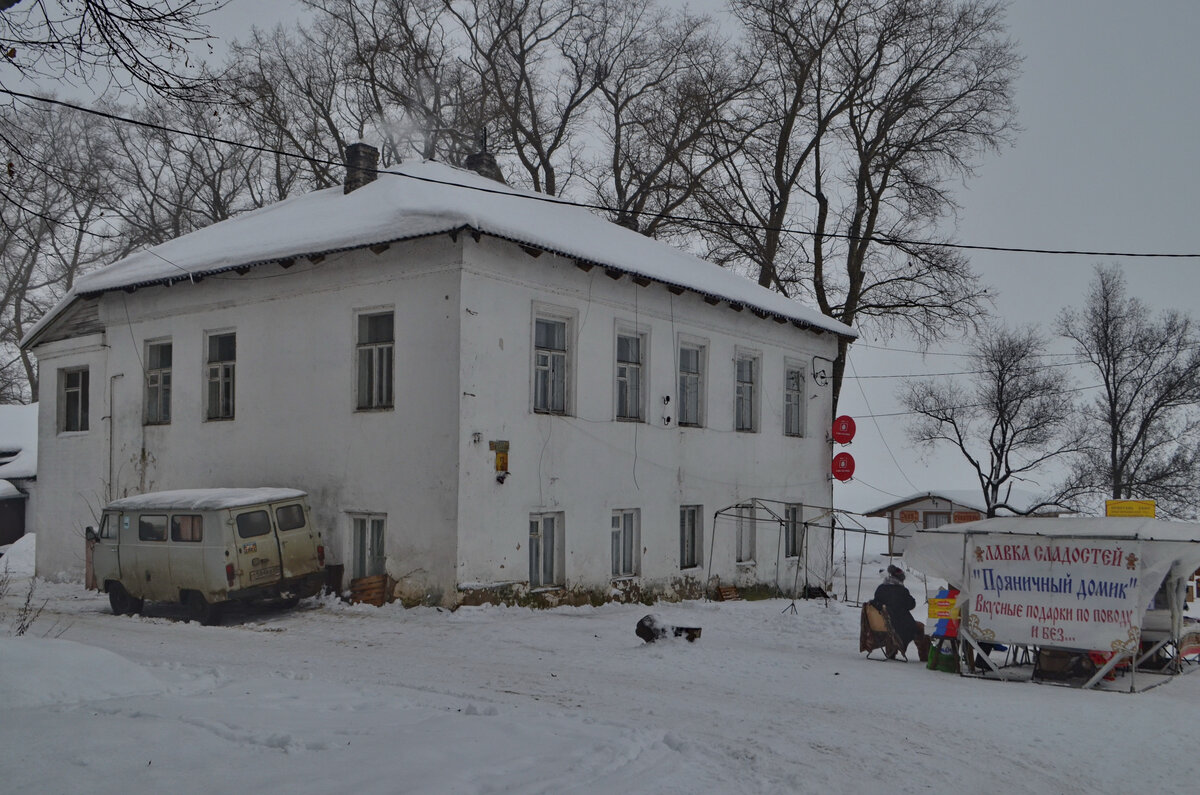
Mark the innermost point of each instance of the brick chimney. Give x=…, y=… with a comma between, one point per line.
x=484, y=163
x=362, y=162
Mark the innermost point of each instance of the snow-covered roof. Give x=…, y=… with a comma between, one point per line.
x=18, y=433
x=203, y=499
x=8, y=490
x=964, y=498
x=415, y=200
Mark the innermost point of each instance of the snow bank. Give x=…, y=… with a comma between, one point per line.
x=18, y=556
x=64, y=672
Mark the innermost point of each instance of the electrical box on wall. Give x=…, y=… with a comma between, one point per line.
x=500, y=448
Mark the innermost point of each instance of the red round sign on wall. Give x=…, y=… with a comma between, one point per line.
x=843, y=466
x=843, y=429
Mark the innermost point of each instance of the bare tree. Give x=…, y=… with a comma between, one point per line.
x=867, y=110
x=1144, y=430
x=1012, y=417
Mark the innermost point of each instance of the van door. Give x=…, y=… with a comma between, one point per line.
x=151, y=563
x=106, y=554
x=297, y=539
x=257, y=548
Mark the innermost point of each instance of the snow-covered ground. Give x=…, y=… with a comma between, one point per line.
x=338, y=698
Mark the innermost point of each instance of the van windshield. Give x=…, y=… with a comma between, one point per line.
x=255, y=523
x=289, y=517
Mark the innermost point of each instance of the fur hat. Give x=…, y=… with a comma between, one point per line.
x=895, y=571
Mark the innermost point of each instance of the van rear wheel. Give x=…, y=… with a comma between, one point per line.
x=203, y=611
x=121, y=602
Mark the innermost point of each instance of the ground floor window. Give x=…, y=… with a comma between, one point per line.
x=545, y=544
x=745, y=535
x=691, y=523
x=367, y=557
x=793, y=531
x=625, y=544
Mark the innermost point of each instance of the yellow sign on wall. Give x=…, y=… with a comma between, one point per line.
x=1137, y=508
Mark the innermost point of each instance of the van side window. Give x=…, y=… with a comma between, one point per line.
x=289, y=517
x=187, y=527
x=152, y=528
x=255, y=523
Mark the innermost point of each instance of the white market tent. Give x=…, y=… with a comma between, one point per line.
x=1114, y=585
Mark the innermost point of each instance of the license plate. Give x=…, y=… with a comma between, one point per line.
x=264, y=574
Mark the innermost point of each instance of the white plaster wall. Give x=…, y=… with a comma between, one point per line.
x=296, y=423
x=586, y=465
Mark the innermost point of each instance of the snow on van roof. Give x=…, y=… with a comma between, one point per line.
x=204, y=499
x=420, y=199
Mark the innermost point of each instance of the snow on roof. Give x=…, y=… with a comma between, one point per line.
x=8, y=490
x=415, y=200
x=966, y=498
x=18, y=431
x=204, y=499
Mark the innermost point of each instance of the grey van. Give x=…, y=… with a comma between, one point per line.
x=204, y=548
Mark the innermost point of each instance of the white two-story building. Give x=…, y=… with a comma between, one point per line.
x=484, y=392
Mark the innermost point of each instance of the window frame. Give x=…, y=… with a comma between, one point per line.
x=746, y=393
x=158, y=383
x=381, y=355
x=194, y=533
x=74, y=419
x=626, y=543
x=693, y=557
x=221, y=373
x=538, y=559
x=794, y=403
x=793, y=529
x=564, y=356
x=368, y=545
x=699, y=375
x=629, y=376
x=145, y=526
x=746, y=535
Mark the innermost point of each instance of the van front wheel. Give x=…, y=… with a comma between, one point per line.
x=203, y=611
x=121, y=602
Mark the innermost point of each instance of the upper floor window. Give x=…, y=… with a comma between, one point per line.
x=793, y=401
x=73, y=399
x=221, y=361
x=746, y=393
x=376, y=356
x=158, y=383
x=550, y=365
x=629, y=377
x=691, y=384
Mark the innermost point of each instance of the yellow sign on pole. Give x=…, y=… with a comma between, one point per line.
x=1135, y=508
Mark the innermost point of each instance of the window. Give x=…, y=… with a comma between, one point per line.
x=745, y=397
x=187, y=527
x=793, y=531
x=289, y=517
x=376, y=353
x=550, y=365
x=158, y=383
x=369, y=558
x=932, y=519
x=221, y=360
x=691, y=384
x=793, y=401
x=691, y=541
x=625, y=543
x=629, y=377
x=745, y=535
x=253, y=524
x=152, y=528
x=73, y=400
x=545, y=542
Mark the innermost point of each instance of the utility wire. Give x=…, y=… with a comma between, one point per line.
x=881, y=239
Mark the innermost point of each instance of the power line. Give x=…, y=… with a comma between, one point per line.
x=962, y=406
x=881, y=239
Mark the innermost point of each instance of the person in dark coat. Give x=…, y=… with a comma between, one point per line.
x=894, y=598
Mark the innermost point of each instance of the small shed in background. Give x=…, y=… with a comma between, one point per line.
x=931, y=509
x=18, y=469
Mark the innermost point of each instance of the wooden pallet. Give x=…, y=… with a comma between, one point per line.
x=728, y=593
x=371, y=590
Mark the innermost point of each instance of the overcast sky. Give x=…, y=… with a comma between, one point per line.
x=1106, y=160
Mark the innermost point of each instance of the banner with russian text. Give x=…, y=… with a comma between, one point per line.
x=1068, y=593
